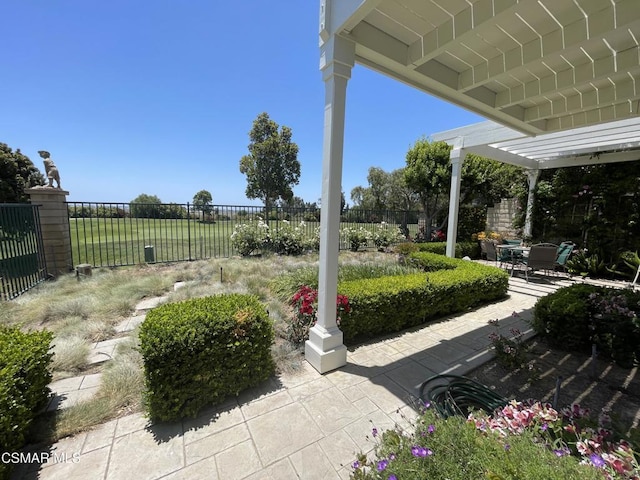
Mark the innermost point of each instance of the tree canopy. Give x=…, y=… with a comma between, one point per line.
x=17, y=172
x=386, y=191
x=272, y=166
x=428, y=175
x=203, y=201
x=146, y=206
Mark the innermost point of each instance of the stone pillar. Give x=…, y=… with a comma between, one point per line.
x=457, y=157
x=54, y=224
x=532, y=176
x=325, y=350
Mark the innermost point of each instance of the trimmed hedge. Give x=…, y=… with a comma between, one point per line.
x=24, y=376
x=463, y=249
x=199, y=351
x=390, y=304
x=575, y=317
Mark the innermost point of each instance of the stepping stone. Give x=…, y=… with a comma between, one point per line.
x=70, y=391
x=103, y=351
x=149, y=303
x=130, y=323
x=178, y=285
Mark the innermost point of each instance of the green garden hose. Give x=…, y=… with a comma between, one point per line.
x=457, y=395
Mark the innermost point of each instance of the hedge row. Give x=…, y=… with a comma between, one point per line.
x=463, y=249
x=24, y=376
x=579, y=316
x=390, y=304
x=199, y=351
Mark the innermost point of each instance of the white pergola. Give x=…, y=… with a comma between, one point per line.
x=559, y=81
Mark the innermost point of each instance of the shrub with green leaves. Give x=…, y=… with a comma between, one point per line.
x=579, y=316
x=24, y=375
x=249, y=237
x=199, y=351
x=288, y=239
x=463, y=249
x=385, y=234
x=356, y=237
x=392, y=303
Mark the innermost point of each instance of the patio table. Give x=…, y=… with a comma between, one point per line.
x=512, y=251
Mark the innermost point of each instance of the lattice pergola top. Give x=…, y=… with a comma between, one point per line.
x=611, y=142
x=535, y=65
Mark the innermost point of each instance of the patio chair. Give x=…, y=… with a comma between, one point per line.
x=564, y=252
x=488, y=247
x=542, y=256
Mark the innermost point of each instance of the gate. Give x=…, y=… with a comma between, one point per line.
x=22, y=262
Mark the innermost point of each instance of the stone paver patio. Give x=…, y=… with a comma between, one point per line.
x=303, y=425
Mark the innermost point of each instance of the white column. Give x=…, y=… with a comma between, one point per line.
x=324, y=350
x=532, y=177
x=457, y=157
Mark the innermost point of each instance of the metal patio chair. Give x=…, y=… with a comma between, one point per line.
x=542, y=256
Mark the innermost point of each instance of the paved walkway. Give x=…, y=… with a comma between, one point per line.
x=302, y=426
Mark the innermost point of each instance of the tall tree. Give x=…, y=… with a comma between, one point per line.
x=272, y=166
x=203, y=201
x=486, y=181
x=146, y=206
x=401, y=196
x=428, y=175
x=17, y=172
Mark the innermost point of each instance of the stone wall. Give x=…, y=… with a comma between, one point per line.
x=500, y=217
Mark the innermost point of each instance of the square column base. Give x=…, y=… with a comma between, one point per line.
x=324, y=349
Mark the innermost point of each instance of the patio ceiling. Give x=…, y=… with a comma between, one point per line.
x=536, y=66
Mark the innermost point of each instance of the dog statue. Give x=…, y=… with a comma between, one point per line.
x=50, y=169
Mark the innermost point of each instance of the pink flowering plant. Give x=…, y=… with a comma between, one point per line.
x=511, y=351
x=454, y=448
x=569, y=432
x=305, y=310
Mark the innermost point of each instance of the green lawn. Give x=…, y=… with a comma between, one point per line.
x=122, y=241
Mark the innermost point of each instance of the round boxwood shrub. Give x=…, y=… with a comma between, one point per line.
x=199, y=351
x=579, y=316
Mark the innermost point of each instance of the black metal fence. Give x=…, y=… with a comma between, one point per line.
x=118, y=234
x=22, y=262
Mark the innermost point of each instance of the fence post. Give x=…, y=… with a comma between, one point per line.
x=54, y=224
x=189, y=230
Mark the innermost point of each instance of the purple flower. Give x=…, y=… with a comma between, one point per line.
x=507, y=447
x=418, y=451
x=392, y=457
x=356, y=465
x=544, y=427
x=392, y=477
x=597, y=460
x=382, y=465
x=431, y=428
x=562, y=452
x=374, y=432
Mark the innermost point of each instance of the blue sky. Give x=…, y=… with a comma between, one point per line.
x=158, y=97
